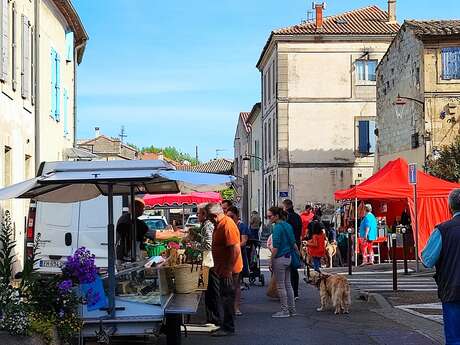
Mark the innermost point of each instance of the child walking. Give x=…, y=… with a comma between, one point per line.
x=317, y=246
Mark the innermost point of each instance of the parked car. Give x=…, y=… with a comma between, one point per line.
x=155, y=223
x=192, y=221
x=65, y=227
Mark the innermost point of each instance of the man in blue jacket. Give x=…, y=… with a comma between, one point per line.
x=443, y=251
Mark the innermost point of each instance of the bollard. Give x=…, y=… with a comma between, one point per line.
x=395, y=263
x=403, y=231
x=350, y=251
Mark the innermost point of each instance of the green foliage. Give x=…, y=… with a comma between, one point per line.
x=171, y=152
x=228, y=194
x=29, y=274
x=447, y=164
x=6, y=249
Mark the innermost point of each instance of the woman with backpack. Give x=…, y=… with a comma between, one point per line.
x=285, y=256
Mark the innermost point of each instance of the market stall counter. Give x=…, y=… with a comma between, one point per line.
x=66, y=182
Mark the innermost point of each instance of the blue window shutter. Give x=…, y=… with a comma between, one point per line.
x=53, y=83
x=66, y=98
x=58, y=88
x=69, y=41
x=372, y=141
x=363, y=127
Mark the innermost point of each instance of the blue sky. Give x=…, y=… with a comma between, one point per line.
x=179, y=72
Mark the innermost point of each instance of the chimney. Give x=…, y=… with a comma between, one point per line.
x=319, y=14
x=96, y=132
x=392, y=11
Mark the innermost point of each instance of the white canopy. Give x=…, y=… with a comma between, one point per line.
x=78, y=181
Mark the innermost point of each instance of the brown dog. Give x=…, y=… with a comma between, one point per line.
x=333, y=288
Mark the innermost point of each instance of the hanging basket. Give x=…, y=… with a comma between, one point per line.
x=186, y=278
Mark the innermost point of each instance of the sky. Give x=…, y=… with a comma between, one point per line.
x=178, y=73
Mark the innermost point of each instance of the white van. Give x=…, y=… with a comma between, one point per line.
x=64, y=228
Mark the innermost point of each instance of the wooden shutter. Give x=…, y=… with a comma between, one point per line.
x=363, y=129
x=4, y=15
x=53, y=83
x=69, y=42
x=66, y=123
x=372, y=137
x=14, y=44
x=58, y=87
x=25, y=57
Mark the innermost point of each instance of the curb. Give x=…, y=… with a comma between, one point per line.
x=429, y=329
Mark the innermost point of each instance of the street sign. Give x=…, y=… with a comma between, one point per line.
x=284, y=194
x=413, y=173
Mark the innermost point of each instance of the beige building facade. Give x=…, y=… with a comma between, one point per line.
x=319, y=104
x=418, y=92
x=37, y=90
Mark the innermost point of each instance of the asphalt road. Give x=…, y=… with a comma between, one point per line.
x=361, y=327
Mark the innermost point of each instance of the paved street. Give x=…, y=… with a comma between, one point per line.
x=362, y=326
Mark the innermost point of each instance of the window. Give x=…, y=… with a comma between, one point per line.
x=265, y=143
x=25, y=57
x=450, y=63
x=365, y=70
x=256, y=160
x=13, y=49
x=269, y=147
x=55, y=85
x=66, y=114
x=366, y=137
x=4, y=26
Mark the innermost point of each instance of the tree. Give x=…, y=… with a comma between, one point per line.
x=447, y=163
x=173, y=153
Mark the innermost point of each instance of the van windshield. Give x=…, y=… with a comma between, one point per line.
x=155, y=224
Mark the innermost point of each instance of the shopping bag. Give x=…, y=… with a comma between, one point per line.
x=94, y=294
x=272, y=290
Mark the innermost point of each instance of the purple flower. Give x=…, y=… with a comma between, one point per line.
x=81, y=266
x=65, y=286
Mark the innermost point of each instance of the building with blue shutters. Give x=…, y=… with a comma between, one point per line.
x=418, y=92
x=41, y=44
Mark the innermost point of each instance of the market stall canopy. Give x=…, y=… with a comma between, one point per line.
x=78, y=181
x=194, y=198
x=392, y=183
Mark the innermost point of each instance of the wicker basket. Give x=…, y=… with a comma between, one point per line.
x=186, y=278
x=166, y=280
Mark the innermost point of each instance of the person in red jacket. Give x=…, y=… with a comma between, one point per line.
x=317, y=246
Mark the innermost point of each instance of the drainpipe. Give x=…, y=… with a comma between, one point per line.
x=37, y=82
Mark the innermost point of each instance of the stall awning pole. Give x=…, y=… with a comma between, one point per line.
x=133, y=224
x=111, y=253
x=356, y=231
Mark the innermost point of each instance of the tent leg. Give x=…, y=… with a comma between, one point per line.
x=111, y=253
x=134, y=225
x=356, y=232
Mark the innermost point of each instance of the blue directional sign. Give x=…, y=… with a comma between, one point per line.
x=413, y=173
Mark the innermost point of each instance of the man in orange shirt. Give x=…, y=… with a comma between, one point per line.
x=228, y=264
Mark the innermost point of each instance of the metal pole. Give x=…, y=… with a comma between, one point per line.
x=356, y=232
x=350, y=251
x=395, y=263
x=111, y=253
x=133, y=224
x=406, y=270
x=417, y=262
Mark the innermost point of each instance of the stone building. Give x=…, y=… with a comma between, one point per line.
x=41, y=44
x=318, y=103
x=108, y=148
x=418, y=91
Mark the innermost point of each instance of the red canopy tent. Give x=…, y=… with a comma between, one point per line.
x=194, y=198
x=392, y=183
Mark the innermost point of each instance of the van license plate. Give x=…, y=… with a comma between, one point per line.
x=51, y=263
